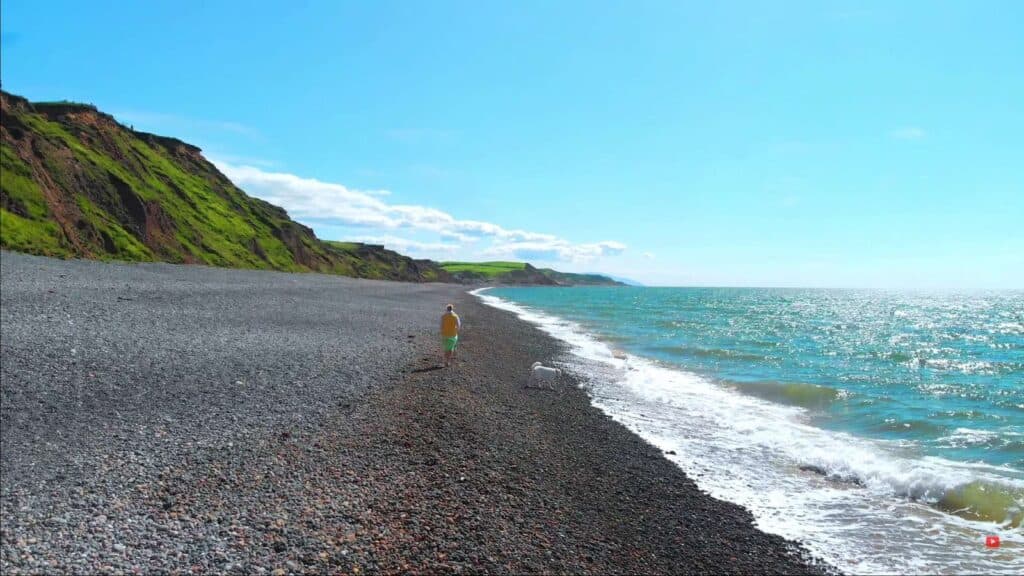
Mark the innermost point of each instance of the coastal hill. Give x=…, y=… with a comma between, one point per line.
x=75, y=183
x=500, y=272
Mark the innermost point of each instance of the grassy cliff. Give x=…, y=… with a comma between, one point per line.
x=520, y=273
x=75, y=183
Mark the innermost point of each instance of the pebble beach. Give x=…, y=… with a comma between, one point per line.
x=185, y=419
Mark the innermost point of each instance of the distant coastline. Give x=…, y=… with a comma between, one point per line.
x=78, y=184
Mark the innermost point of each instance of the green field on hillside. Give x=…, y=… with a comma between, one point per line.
x=489, y=269
x=76, y=183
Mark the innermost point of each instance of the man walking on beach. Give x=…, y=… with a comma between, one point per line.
x=450, y=325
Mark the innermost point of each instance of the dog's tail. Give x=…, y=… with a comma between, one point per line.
x=535, y=364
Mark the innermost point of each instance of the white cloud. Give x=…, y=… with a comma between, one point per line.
x=458, y=237
x=908, y=133
x=310, y=198
x=408, y=246
x=337, y=205
x=555, y=249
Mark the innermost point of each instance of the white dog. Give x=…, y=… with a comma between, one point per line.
x=543, y=374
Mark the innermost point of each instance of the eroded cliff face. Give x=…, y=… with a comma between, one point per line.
x=76, y=183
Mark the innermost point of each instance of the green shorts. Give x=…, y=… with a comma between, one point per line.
x=450, y=343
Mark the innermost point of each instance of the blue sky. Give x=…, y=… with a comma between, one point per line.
x=716, y=143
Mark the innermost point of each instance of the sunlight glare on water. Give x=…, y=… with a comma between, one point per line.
x=883, y=430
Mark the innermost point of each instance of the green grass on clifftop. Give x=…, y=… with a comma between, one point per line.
x=487, y=269
x=76, y=183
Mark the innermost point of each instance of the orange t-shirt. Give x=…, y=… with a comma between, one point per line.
x=450, y=325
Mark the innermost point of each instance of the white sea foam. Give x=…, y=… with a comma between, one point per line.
x=759, y=454
x=969, y=437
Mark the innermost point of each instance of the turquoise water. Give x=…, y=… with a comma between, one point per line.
x=944, y=371
x=909, y=405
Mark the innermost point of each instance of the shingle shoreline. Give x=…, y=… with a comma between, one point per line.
x=184, y=419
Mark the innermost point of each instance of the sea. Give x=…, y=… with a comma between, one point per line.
x=884, y=431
